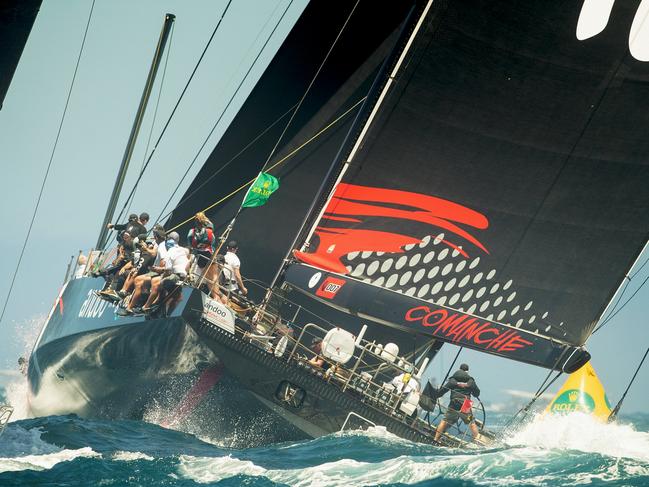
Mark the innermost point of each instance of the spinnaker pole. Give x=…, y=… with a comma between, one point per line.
x=139, y=116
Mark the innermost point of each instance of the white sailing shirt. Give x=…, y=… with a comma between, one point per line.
x=176, y=260
x=231, y=262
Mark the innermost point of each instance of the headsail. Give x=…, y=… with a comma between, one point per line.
x=507, y=174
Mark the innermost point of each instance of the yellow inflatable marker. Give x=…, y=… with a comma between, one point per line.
x=582, y=392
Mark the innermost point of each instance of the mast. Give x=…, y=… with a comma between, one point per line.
x=361, y=123
x=139, y=116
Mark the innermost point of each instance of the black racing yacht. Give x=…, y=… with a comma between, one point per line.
x=93, y=361
x=491, y=193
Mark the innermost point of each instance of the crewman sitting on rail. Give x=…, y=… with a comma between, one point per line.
x=176, y=269
x=116, y=273
x=142, y=283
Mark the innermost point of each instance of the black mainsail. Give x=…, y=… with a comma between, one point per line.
x=501, y=187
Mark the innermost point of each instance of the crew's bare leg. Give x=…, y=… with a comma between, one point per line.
x=155, y=292
x=440, y=429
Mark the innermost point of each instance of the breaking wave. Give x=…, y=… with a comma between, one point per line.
x=66, y=450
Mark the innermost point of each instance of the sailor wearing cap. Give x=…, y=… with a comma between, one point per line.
x=232, y=269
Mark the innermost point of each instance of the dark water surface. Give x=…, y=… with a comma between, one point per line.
x=69, y=451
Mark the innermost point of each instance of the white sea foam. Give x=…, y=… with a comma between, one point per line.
x=43, y=462
x=130, y=456
x=23, y=449
x=583, y=433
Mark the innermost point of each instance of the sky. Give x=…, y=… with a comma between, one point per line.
x=115, y=61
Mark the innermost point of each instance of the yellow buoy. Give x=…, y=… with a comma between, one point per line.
x=582, y=392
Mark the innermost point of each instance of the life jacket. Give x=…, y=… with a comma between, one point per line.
x=203, y=240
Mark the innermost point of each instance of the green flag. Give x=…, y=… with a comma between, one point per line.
x=260, y=191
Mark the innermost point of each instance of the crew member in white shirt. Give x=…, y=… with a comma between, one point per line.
x=232, y=269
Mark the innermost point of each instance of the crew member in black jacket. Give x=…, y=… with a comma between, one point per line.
x=462, y=387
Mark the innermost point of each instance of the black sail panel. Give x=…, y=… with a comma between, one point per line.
x=264, y=234
x=507, y=173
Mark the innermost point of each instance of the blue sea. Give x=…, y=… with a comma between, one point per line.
x=548, y=451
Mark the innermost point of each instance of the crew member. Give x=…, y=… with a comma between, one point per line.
x=232, y=269
x=462, y=387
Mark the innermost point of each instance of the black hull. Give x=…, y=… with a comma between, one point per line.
x=90, y=362
x=325, y=408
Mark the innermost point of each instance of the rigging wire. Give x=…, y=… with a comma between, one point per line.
x=621, y=307
x=49, y=164
x=315, y=76
x=617, y=407
x=218, y=121
x=282, y=160
x=182, y=94
x=153, y=121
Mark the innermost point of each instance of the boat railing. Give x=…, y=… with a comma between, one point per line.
x=5, y=415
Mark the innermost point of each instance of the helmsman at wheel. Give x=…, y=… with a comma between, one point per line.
x=462, y=387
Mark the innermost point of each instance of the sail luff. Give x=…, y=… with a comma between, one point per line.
x=361, y=136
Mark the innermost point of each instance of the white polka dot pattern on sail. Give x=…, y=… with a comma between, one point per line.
x=438, y=239
x=464, y=281
x=409, y=247
x=449, y=284
x=437, y=287
x=373, y=267
x=405, y=277
x=491, y=274
x=467, y=295
x=447, y=268
x=423, y=290
x=424, y=241
x=414, y=260
x=411, y=291
x=358, y=270
x=477, y=277
x=387, y=263
x=365, y=254
x=442, y=255
x=419, y=275
x=401, y=262
x=392, y=280
x=460, y=266
x=474, y=263
x=480, y=292
x=454, y=299
x=352, y=255
x=433, y=272
x=429, y=256
x=441, y=301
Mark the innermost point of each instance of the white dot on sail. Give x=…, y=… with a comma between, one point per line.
x=385, y=267
x=454, y=299
x=405, y=277
x=460, y=266
x=474, y=263
x=447, y=268
x=352, y=255
x=379, y=254
x=442, y=255
x=456, y=252
x=484, y=306
x=498, y=300
x=441, y=301
x=507, y=285
x=423, y=290
x=515, y=310
x=511, y=297
x=429, y=256
x=409, y=247
x=519, y=323
x=438, y=239
x=358, y=270
x=436, y=287
x=480, y=292
x=349, y=268
x=414, y=260
x=528, y=305
x=401, y=262
x=373, y=267
x=379, y=281
x=477, y=277
x=419, y=275
x=411, y=291
x=433, y=272
x=424, y=241
x=449, y=285
x=492, y=273
x=547, y=328
x=501, y=315
x=490, y=317
x=467, y=295
x=494, y=288
x=545, y=315
x=531, y=320
x=465, y=280
x=366, y=254
x=471, y=308
x=392, y=280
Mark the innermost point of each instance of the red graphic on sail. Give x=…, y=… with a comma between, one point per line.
x=351, y=203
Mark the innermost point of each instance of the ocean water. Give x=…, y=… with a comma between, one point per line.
x=548, y=451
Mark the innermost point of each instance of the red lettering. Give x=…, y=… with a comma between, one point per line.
x=481, y=341
x=514, y=343
x=410, y=315
x=442, y=313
